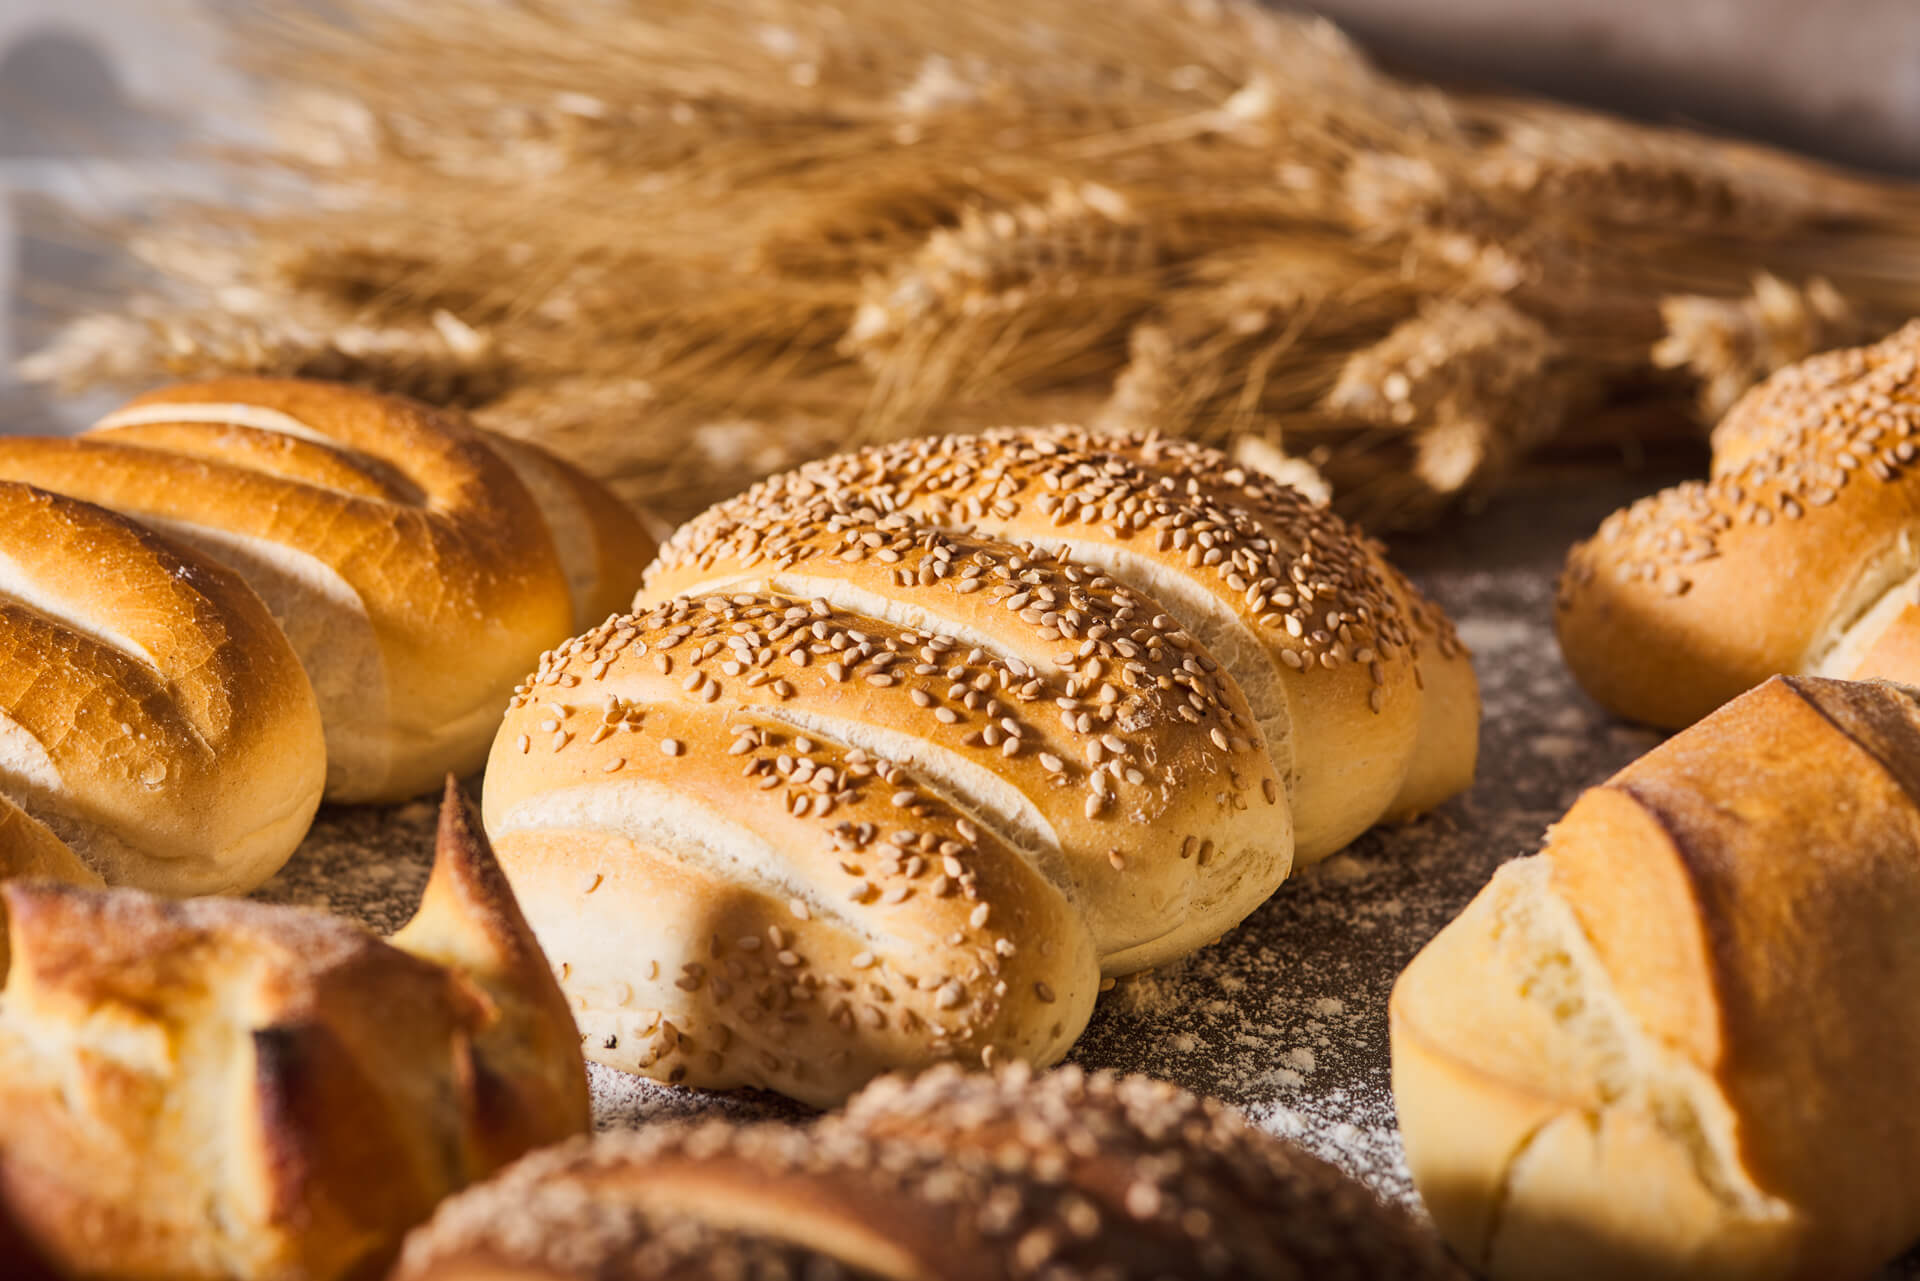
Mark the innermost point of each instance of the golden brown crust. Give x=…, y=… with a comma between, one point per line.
x=1116, y=730
x=1811, y=516
x=528, y=1078
x=1672, y=1045
x=829, y=918
x=1320, y=633
x=153, y=719
x=411, y=566
x=950, y=1176
x=218, y=1088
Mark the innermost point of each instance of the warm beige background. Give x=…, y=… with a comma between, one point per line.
x=1837, y=77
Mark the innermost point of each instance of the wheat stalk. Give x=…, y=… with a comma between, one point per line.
x=689, y=241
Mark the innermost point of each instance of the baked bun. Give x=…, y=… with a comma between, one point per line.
x=218, y=1088
x=1363, y=694
x=156, y=729
x=1678, y=1043
x=415, y=563
x=704, y=813
x=951, y=1176
x=1800, y=554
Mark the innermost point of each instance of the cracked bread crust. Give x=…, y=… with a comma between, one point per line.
x=214, y=1088
x=1671, y=1045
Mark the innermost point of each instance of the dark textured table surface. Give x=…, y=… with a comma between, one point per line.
x=1286, y=1016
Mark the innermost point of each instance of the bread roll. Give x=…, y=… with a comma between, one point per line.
x=952, y=1176
x=156, y=729
x=703, y=810
x=1678, y=1042
x=219, y=1089
x=1365, y=697
x=1801, y=553
x=415, y=563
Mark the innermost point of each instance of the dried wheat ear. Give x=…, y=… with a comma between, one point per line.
x=689, y=243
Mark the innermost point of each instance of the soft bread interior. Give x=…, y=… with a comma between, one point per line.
x=1882, y=639
x=1529, y=1096
x=1870, y=605
x=196, y=1057
x=327, y=624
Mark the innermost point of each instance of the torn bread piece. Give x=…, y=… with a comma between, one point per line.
x=1677, y=1043
x=216, y=1088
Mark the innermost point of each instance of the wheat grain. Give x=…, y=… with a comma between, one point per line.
x=688, y=241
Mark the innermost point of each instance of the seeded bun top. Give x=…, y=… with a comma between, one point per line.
x=951, y=1176
x=1798, y=555
x=1365, y=697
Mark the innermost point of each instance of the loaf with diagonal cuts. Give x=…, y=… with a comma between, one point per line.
x=156, y=729
x=880, y=789
x=417, y=565
x=1363, y=693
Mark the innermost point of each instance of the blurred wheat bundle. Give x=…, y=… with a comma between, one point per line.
x=690, y=241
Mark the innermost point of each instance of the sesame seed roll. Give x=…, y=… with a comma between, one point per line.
x=952, y=1176
x=1362, y=692
x=416, y=564
x=1797, y=555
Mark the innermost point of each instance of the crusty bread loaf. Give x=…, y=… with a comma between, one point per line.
x=221, y=1089
x=156, y=729
x=1800, y=554
x=1365, y=698
x=703, y=812
x=1678, y=1043
x=417, y=564
x=953, y=1176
